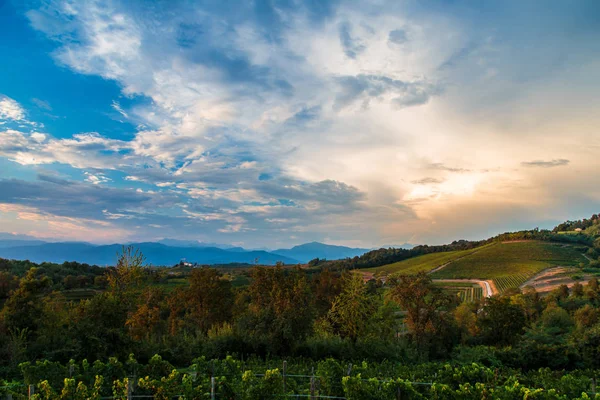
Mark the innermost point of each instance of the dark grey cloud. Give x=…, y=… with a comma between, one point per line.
x=352, y=46
x=560, y=162
x=327, y=192
x=304, y=116
x=444, y=167
x=427, y=181
x=366, y=87
x=398, y=36
x=78, y=200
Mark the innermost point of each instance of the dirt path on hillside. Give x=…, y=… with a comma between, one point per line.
x=488, y=286
x=552, y=278
x=436, y=269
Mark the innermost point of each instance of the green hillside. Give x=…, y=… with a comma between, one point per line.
x=510, y=264
x=425, y=262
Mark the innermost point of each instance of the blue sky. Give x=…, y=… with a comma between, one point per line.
x=266, y=124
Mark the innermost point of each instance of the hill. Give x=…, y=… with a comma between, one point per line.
x=509, y=264
x=310, y=251
x=425, y=262
x=194, y=243
x=19, y=242
x=155, y=253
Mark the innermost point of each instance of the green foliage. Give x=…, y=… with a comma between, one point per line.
x=352, y=309
x=500, y=321
x=163, y=388
x=356, y=388
x=279, y=311
x=583, y=224
x=254, y=379
x=254, y=387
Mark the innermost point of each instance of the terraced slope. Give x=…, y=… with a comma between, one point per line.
x=464, y=290
x=510, y=264
x=425, y=262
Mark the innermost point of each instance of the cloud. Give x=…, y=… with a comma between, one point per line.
x=322, y=116
x=369, y=87
x=10, y=110
x=83, y=150
x=352, y=46
x=43, y=225
x=398, y=36
x=117, y=107
x=443, y=167
x=96, y=179
x=546, y=164
x=44, y=105
x=427, y=181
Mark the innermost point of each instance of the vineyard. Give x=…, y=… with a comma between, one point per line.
x=508, y=282
x=425, y=262
x=510, y=264
x=465, y=291
x=256, y=379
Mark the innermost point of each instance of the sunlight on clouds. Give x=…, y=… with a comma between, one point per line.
x=32, y=221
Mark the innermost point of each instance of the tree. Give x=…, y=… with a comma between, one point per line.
x=353, y=308
x=593, y=284
x=70, y=282
x=424, y=304
x=8, y=282
x=530, y=301
x=128, y=273
x=98, y=328
x=586, y=316
x=24, y=308
x=556, y=319
x=500, y=321
x=145, y=322
x=577, y=290
x=100, y=281
x=209, y=298
x=279, y=311
x=326, y=286
x=466, y=320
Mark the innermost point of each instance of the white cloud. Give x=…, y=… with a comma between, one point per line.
x=10, y=110
x=96, y=178
x=117, y=107
x=38, y=137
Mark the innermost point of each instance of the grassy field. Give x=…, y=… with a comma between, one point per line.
x=425, y=262
x=510, y=264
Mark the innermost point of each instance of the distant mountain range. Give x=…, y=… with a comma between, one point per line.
x=168, y=252
x=309, y=251
x=155, y=253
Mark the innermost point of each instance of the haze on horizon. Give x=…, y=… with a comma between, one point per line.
x=276, y=123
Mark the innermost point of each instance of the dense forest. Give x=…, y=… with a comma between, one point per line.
x=306, y=315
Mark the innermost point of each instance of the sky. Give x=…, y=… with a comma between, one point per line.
x=274, y=123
